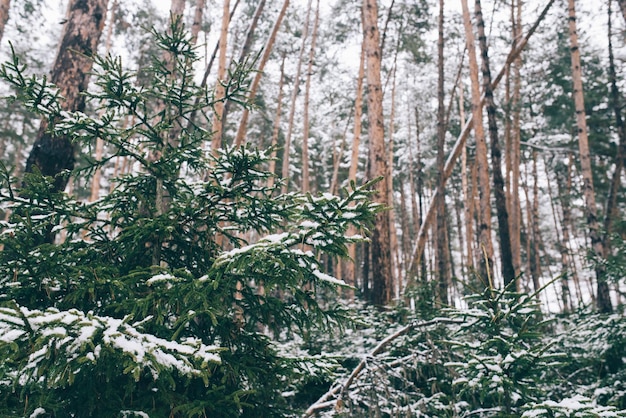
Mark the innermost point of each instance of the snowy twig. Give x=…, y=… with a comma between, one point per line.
x=342, y=389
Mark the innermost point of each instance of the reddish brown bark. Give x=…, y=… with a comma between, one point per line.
x=54, y=155
x=381, y=253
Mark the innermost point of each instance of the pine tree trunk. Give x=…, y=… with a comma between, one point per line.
x=484, y=189
x=393, y=235
x=468, y=201
x=603, y=297
x=381, y=252
x=515, y=218
x=53, y=155
x=611, y=204
x=533, y=227
x=307, y=95
x=220, y=92
x=254, y=86
x=5, y=5
x=441, y=253
x=508, y=272
x=209, y=66
x=349, y=267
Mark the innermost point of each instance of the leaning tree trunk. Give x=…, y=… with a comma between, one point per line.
x=506, y=259
x=381, y=252
x=54, y=155
x=484, y=190
x=603, y=298
x=243, y=121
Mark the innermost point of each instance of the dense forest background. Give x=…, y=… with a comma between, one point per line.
x=312, y=208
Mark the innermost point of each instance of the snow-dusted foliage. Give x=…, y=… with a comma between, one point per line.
x=159, y=298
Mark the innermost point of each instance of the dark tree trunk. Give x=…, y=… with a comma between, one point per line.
x=508, y=271
x=54, y=155
x=443, y=261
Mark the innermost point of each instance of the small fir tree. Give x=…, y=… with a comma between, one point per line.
x=158, y=299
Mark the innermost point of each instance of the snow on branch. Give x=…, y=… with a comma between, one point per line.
x=326, y=400
x=85, y=337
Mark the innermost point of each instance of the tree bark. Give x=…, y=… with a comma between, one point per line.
x=603, y=297
x=515, y=218
x=441, y=253
x=484, y=189
x=381, y=252
x=508, y=271
x=54, y=155
x=5, y=5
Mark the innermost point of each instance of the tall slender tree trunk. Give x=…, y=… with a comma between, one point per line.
x=468, y=203
x=611, y=204
x=254, y=86
x=349, y=267
x=53, y=155
x=381, y=252
x=566, y=299
x=307, y=96
x=294, y=98
x=396, y=266
x=508, y=271
x=533, y=228
x=441, y=252
x=603, y=296
x=5, y=5
x=220, y=92
x=484, y=189
x=515, y=218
